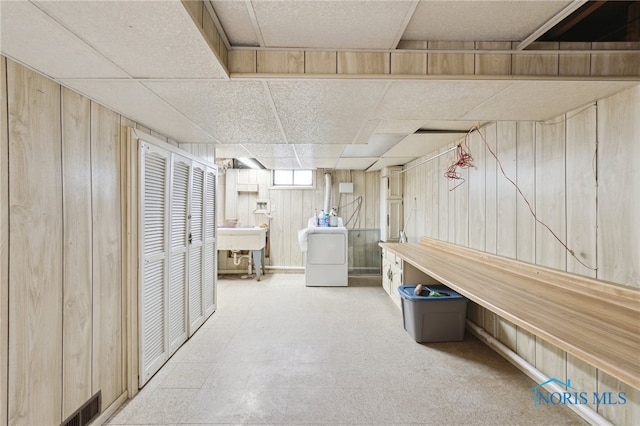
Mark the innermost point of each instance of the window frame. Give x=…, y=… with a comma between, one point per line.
x=273, y=185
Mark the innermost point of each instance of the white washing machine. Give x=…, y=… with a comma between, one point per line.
x=326, y=263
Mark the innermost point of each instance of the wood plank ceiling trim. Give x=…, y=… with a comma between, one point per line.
x=361, y=64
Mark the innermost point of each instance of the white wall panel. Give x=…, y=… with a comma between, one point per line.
x=619, y=188
x=581, y=187
x=491, y=179
x=506, y=192
x=550, y=204
x=477, y=199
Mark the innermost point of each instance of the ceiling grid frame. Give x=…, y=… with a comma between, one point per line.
x=246, y=107
x=276, y=115
x=403, y=28
x=254, y=21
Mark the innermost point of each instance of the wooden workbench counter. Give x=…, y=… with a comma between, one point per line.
x=596, y=321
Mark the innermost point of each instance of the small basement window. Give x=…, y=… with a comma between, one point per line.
x=292, y=178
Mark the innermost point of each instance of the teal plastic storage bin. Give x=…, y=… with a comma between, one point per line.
x=433, y=318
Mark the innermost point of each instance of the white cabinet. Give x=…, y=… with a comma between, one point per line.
x=391, y=275
x=394, y=220
x=396, y=272
x=391, y=213
x=394, y=182
x=177, y=290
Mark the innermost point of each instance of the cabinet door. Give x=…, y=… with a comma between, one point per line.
x=196, y=248
x=394, y=219
x=177, y=252
x=153, y=348
x=386, y=275
x=178, y=246
x=210, y=253
x=394, y=187
x=396, y=273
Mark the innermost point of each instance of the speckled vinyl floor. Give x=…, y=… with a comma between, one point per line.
x=277, y=352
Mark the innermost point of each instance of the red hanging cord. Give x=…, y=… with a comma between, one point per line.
x=463, y=160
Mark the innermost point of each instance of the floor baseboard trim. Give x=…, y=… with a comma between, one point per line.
x=536, y=375
x=110, y=410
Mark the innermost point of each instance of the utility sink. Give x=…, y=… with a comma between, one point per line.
x=241, y=238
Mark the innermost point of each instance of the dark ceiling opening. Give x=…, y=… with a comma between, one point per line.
x=599, y=21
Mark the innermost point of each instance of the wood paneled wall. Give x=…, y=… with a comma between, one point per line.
x=61, y=283
x=78, y=261
x=4, y=239
x=35, y=241
x=291, y=208
x=577, y=172
x=205, y=151
x=107, y=243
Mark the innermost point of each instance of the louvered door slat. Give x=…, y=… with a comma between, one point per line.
x=197, y=191
x=154, y=202
x=210, y=253
x=152, y=288
x=179, y=194
x=178, y=302
x=153, y=312
x=196, y=247
x=195, y=286
x=178, y=325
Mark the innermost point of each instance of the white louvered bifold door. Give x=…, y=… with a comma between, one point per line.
x=196, y=248
x=210, y=253
x=154, y=166
x=178, y=245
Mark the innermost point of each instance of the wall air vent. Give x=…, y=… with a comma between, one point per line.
x=85, y=414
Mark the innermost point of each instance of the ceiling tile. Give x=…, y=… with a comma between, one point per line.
x=542, y=100
x=318, y=150
x=418, y=145
x=367, y=129
x=147, y=39
x=399, y=126
x=387, y=162
x=377, y=145
x=447, y=125
x=31, y=37
x=324, y=111
x=480, y=20
x=435, y=100
x=231, y=151
x=318, y=162
x=136, y=102
x=280, y=163
x=270, y=150
x=236, y=21
x=233, y=111
x=332, y=24
x=355, y=163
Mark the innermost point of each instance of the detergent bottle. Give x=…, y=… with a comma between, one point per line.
x=322, y=218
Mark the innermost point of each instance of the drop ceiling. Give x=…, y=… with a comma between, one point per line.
x=148, y=61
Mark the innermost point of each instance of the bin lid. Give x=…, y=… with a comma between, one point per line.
x=406, y=291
